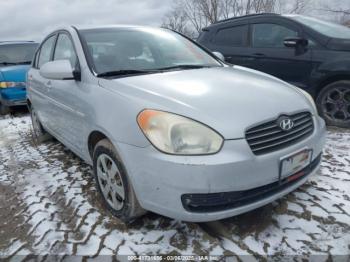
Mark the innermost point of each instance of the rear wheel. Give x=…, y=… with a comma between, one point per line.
x=40, y=134
x=4, y=110
x=113, y=183
x=333, y=103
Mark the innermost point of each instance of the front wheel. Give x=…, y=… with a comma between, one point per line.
x=113, y=184
x=4, y=110
x=333, y=104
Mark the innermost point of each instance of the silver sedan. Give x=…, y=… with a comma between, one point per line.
x=168, y=126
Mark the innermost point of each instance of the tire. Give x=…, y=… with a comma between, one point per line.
x=113, y=184
x=333, y=103
x=4, y=110
x=40, y=134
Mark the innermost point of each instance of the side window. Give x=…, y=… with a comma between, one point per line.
x=65, y=50
x=45, y=51
x=233, y=36
x=270, y=35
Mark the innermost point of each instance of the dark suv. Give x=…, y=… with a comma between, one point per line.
x=309, y=53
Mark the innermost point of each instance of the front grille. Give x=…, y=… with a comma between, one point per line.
x=214, y=202
x=269, y=137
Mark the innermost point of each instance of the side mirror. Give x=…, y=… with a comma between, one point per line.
x=295, y=42
x=219, y=55
x=57, y=70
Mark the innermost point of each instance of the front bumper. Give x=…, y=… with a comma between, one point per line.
x=13, y=96
x=162, y=181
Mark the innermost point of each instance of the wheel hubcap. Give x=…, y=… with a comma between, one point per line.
x=336, y=104
x=110, y=182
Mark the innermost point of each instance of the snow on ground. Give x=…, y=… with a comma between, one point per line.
x=49, y=205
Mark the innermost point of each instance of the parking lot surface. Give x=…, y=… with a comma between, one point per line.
x=49, y=205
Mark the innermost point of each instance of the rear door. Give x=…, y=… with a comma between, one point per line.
x=38, y=85
x=269, y=54
x=232, y=41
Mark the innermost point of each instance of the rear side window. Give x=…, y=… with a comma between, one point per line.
x=45, y=51
x=65, y=50
x=233, y=36
x=270, y=35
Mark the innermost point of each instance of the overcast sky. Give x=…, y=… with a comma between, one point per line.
x=33, y=19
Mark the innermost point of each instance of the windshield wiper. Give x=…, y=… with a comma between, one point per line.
x=7, y=63
x=150, y=71
x=24, y=63
x=16, y=63
x=126, y=72
x=184, y=67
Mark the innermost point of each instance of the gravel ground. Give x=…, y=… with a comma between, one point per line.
x=49, y=206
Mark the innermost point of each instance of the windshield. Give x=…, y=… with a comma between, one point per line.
x=326, y=28
x=122, y=49
x=17, y=53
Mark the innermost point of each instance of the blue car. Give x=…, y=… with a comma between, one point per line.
x=15, y=60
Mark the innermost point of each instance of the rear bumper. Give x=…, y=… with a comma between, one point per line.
x=13, y=97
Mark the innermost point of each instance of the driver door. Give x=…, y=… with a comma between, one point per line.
x=270, y=55
x=66, y=119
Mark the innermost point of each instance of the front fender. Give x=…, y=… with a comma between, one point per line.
x=329, y=72
x=338, y=65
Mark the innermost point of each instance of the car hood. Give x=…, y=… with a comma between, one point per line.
x=14, y=73
x=229, y=99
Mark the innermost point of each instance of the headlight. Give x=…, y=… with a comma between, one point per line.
x=12, y=84
x=309, y=97
x=174, y=134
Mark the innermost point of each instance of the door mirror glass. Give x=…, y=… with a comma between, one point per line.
x=295, y=42
x=219, y=55
x=57, y=70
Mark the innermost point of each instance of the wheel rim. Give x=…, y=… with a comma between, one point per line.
x=110, y=182
x=36, y=124
x=336, y=104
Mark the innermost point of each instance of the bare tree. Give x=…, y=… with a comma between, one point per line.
x=343, y=11
x=259, y=6
x=299, y=6
x=177, y=20
x=341, y=15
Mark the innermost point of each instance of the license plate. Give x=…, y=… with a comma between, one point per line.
x=295, y=163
